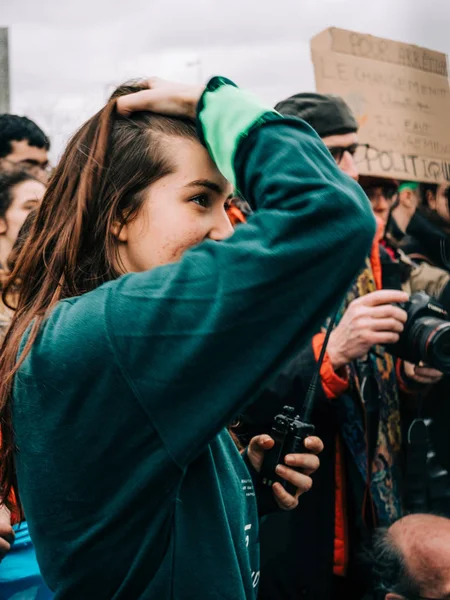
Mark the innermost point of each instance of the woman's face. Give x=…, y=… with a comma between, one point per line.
x=25, y=197
x=440, y=203
x=179, y=211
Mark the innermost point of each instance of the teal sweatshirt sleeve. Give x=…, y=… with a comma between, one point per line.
x=198, y=339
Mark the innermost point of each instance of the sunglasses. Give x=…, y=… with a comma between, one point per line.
x=388, y=191
x=337, y=152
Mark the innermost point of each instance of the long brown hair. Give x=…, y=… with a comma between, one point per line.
x=71, y=248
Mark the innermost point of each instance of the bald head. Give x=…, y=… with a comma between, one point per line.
x=411, y=559
x=424, y=543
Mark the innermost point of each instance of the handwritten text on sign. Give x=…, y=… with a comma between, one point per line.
x=403, y=111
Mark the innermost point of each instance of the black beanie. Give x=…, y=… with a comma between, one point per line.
x=327, y=114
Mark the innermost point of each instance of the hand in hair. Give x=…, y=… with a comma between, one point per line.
x=306, y=464
x=163, y=97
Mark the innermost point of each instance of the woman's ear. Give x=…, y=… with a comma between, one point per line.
x=3, y=226
x=120, y=231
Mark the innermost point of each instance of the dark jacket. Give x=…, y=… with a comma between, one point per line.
x=301, y=550
x=428, y=243
x=425, y=240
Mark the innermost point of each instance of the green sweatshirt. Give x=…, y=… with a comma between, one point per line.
x=131, y=485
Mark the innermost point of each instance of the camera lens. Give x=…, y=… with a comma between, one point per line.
x=430, y=340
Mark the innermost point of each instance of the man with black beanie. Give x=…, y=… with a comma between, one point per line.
x=313, y=552
x=333, y=120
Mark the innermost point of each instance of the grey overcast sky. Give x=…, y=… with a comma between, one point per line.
x=65, y=56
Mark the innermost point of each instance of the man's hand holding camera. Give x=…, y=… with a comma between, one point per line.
x=368, y=321
x=374, y=320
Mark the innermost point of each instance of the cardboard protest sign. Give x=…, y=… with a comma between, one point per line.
x=400, y=95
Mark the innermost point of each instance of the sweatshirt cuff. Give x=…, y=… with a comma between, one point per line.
x=334, y=384
x=225, y=114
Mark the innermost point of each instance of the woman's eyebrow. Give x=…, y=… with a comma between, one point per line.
x=206, y=183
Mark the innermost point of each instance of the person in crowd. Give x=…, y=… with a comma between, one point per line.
x=395, y=203
x=421, y=210
x=421, y=222
x=24, y=144
x=411, y=559
x=20, y=194
x=138, y=337
x=312, y=553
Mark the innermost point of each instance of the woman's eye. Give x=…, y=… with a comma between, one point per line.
x=202, y=200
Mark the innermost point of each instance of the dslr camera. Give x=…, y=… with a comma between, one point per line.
x=426, y=336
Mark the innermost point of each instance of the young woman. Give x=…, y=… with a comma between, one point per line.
x=19, y=571
x=141, y=337
x=20, y=192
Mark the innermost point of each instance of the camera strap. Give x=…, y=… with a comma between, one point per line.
x=308, y=405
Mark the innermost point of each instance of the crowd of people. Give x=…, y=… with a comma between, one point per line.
x=146, y=368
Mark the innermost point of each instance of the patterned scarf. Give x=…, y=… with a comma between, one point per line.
x=352, y=413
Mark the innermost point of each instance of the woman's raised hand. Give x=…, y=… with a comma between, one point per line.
x=163, y=97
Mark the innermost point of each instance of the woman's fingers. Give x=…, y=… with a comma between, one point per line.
x=256, y=448
x=307, y=463
x=301, y=481
x=164, y=97
x=313, y=444
x=284, y=500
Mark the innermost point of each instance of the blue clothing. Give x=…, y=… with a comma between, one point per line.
x=20, y=578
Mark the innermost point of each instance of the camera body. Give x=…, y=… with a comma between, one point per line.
x=426, y=336
x=289, y=433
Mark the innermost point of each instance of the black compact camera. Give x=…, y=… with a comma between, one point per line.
x=289, y=433
x=426, y=336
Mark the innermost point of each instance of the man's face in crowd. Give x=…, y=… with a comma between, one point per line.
x=343, y=148
x=32, y=159
x=381, y=198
